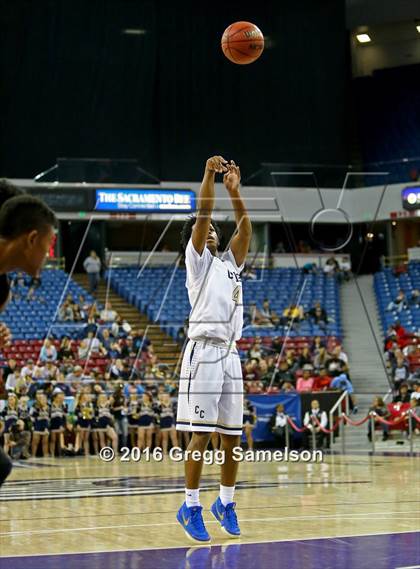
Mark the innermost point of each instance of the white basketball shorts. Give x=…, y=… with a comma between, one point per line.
x=210, y=395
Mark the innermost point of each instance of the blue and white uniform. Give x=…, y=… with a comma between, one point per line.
x=41, y=419
x=211, y=384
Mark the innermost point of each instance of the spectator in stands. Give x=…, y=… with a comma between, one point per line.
x=75, y=377
x=317, y=344
x=313, y=420
x=309, y=269
x=277, y=344
x=306, y=382
x=9, y=368
x=343, y=383
x=399, y=303
x=270, y=317
x=116, y=369
x=416, y=392
x=345, y=268
x=287, y=387
x=304, y=357
x=250, y=371
x=128, y=349
x=336, y=361
x=318, y=315
x=403, y=395
x=140, y=341
x=108, y=314
x=255, y=386
x=414, y=299
x=12, y=379
x=320, y=357
x=323, y=381
x=401, y=371
x=48, y=352
x=34, y=285
x=293, y=315
x=278, y=425
x=395, y=333
x=92, y=266
x=283, y=374
x=66, y=313
x=415, y=412
x=258, y=318
x=331, y=267
x=255, y=351
x=65, y=351
x=292, y=360
x=120, y=328
x=28, y=369
x=265, y=375
x=380, y=409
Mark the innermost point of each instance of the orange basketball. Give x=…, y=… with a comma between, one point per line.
x=242, y=43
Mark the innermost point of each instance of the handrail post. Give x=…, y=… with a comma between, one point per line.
x=372, y=430
x=287, y=435
x=331, y=434
x=343, y=437
x=410, y=430
x=333, y=408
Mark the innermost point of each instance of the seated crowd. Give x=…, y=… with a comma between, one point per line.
x=132, y=395
x=316, y=366
x=292, y=315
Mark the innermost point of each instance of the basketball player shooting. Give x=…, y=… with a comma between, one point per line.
x=26, y=232
x=211, y=385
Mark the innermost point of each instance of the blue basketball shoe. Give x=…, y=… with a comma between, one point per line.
x=191, y=520
x=226, y=516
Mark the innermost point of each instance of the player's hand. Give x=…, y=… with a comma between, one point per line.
x=217, y=164
x=232, y=178
x=5, y=336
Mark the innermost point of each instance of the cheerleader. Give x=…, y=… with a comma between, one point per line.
x=166, y=413
x=40, y=415
x=249, y=420
x=133, y=417
x=118, y=408
x=84, y=412
x=24, y=414
x=58, y=414
x=10, y=415
x=105, y=422
x=146, y=422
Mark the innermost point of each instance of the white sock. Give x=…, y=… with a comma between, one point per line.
x=226, y=494
x=192, y=497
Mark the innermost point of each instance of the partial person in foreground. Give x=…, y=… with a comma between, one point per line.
x=26, y=232
x=211, y=384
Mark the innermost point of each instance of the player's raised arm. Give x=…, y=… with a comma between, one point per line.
x=242, y=238
x=206, y=202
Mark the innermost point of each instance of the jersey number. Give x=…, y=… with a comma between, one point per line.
x=236, y=295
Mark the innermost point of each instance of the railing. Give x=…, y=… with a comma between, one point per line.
x=373, y=417
x=337, y=405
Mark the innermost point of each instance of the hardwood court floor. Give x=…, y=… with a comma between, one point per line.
x=53, y=506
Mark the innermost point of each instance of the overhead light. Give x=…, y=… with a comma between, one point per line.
x=363, y=38
x=418, y=29
x=134, y=32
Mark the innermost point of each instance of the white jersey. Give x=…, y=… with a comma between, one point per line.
x=215, y=293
